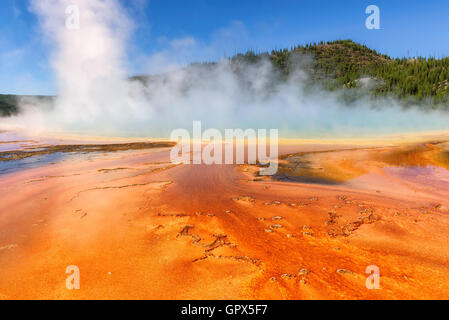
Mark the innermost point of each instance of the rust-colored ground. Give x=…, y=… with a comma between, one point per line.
x=139, y=227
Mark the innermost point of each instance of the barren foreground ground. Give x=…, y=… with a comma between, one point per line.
x=139, y=227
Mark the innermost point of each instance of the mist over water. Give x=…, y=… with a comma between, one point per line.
x=96, y=96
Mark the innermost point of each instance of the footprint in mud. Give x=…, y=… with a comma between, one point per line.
x=288, y=276
x=273, y=203
x=309, y=234
x=8, y=247
x=307, y=231
x=304, y=271
x=155, y=228
x=81, y=213
x=244, y=199
x=301, y=276
x=344, y=271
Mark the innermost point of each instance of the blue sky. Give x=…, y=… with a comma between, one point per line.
x=223, y=27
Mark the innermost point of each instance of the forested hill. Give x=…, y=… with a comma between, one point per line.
x=346, y=64
x=9, y=104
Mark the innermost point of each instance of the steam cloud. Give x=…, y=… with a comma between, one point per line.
x=96, y=96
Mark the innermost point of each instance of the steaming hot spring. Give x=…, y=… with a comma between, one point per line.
x=224, y=180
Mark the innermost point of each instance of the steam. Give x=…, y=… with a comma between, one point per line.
x=95, y=95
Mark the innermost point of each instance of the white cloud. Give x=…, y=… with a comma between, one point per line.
x=182, y=43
